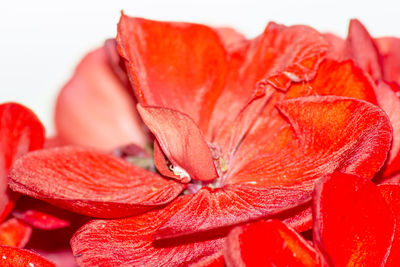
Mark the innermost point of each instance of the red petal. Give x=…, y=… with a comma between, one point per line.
x=161, y=163
x=300, y=218
x=281, y=54
x=323, y=134
x=337, y=78
x=389, y=48
x=391, y=193
x=20, y=132
x=181, y=141
x=94, y=109
x=230, y=37
x=215, y=260
x=362, y=49
x=268, y=243
x=336, y=46
x=390, y=103
x=10, y=256
x=228, y=206
x=181, y=66
x=41, y=220
x=90, y=183
x=130, y=242
x=14, y=233
x=353, y=225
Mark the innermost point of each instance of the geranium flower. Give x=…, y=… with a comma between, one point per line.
x=359, y=228
x=243, y=129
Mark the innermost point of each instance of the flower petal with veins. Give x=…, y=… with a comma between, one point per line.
x=91, y=183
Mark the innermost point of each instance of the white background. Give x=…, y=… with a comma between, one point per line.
x=42, y=40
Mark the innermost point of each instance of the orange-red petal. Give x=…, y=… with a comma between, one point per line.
x=14, y=233
x=322, y=134
x=10, y=257
x=268, y=243
x=391, y=193
x=91, y=183
x=353, y=225
x=181, y=66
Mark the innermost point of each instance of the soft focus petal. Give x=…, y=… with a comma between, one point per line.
x=40, y=219
x=14, y=233
x=90, y=183
x=181, y=141
x=389, y=48
x=227, y=206
x=10, y=257
x=322, y=134
x=268, y=243
x=215, y=260
x=181, y=66
x=361, y=48
x=94, y=108
x=391, y=193
x=20, y=132
x=353, y=225
x=129, y=242
x=390, y=103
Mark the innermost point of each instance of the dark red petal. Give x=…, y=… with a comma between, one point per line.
x=322, y=134
x=390, y=103
x=389, y=48
x=90, y=183
x=227, y=206
x=337, y=78
x=10, y=257
x=299, y=218
x=268, y=243
x=391, y=193
x=20, y=132
x=181, y=66
x=14, y=233
x=94, y=108
x=353, y=225
x=130, y=242
x=181, y=141
x=362, y=49
x=40, y=220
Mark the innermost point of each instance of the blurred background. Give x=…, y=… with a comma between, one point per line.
x=41, y=41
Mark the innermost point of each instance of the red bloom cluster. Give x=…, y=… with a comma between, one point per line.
x=195, y=133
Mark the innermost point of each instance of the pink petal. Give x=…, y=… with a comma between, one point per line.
x=94, y=108
x=91, y=183
x=41, y=220
x=362, y=49
x=181, y=141
x=389, y=48
x=353, y=225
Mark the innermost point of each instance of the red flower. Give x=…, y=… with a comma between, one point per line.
x=242, y=128
x=355, y=224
